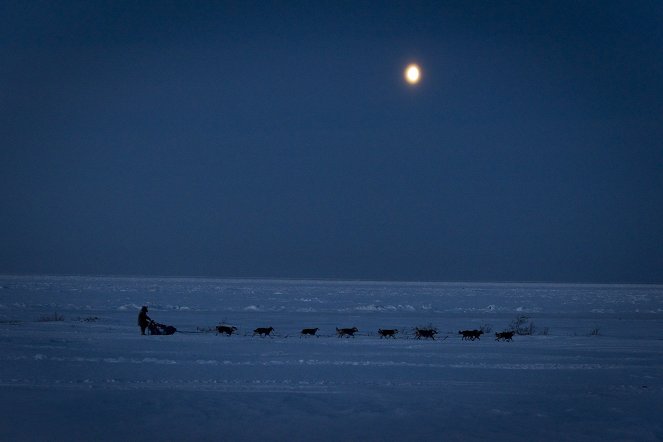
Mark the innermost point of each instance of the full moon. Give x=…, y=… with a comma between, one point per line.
x=412, y=74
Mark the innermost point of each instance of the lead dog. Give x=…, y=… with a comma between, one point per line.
x=506, y=336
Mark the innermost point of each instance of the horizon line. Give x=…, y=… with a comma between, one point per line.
x=321, y=279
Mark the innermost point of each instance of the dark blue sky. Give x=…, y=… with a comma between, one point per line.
x=280, y=140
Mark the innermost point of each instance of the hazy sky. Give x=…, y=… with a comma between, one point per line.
x=280, y=140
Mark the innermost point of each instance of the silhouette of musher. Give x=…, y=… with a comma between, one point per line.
x=143, y=319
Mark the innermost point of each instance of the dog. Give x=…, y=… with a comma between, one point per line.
x=506, y=336
x=347, y=332
x=309, y=332
x=428, y=333
x=263, y=331
x=227, y=329
x=470, y=334
x=387, y=333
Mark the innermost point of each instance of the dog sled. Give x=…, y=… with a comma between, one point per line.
x=154, y=328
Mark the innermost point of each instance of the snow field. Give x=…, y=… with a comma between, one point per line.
x=99, y=379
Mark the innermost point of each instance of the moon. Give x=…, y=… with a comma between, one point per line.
x=412, y=73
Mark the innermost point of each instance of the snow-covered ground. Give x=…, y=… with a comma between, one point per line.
x=592, y=370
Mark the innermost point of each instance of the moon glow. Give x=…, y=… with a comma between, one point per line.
x=412, y=74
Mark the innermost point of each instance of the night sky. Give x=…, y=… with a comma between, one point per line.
x=258, y=139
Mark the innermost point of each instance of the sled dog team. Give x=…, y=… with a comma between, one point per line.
x=145, y=322
x=419, y=333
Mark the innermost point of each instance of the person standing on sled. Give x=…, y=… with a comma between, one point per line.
x=143, y=319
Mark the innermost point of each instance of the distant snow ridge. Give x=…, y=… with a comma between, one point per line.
x=385, y=308
x=177, y=307
x=528, y=309
x=259, y=308
x=318, y=300
x=133, y=306
x=491, y=308
x=129, y=307
x=109, y=360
